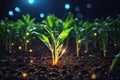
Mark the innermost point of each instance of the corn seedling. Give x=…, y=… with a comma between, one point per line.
x=25, y=28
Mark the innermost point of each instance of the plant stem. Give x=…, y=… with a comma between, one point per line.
x=77, y=48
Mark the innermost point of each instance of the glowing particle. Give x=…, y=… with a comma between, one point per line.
x=115, y=44
x=19, y=47
x=93, y=76
x=12, y=44
x=30, y=50
x=31, y=61
x=11, y=13
x=27, y=34
x=63, y=51
x=79, y=41
x=23, y=37
x=27, y=41
x=17, y=9
x=42, y=15
x=85, y=51
x=67, y=6
x=24, y=74
x=31, y=1
x=95, y=34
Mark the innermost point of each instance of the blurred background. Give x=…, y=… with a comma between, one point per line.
x=40, y=9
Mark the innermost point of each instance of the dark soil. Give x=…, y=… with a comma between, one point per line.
x=69, y=66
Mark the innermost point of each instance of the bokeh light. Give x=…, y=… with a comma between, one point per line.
x=88, y=5
x=67, y=6
x=42, y=15
x=30, y=1
x=79, y=15
x=77, y=9
x=17, y=9
x=11, y=13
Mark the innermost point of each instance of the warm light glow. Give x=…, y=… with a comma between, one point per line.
x=24, y=75
x=30, y=50
x=31, y=61
x=20, y=47
x=93, y=76
x=23, y=37
x=27, y=41
x=85, y=51
x=12, y=44
x=79, y=41
x=115, y=44
x=27, y=34
x=95, y=34
x=63, y=51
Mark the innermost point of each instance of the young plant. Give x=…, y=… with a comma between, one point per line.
x=56, y=44
x=87, y=32
x=25, y=28
x=114, y=32
x=103, y=34
x=114, y=61
x=54, y=37
x=8, y=34
x=78, y=34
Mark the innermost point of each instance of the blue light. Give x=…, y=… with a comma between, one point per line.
x=11, y=13
x=42, y=15
x=17, y=9
x=77, y=9
x=79, y=15
x=67, y=6
x=88, y=5
x=31, y=1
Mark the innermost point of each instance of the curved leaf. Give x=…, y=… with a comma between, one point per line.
x=44, y=39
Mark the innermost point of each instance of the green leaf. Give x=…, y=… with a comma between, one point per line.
x=45, y=39
x=59, y=48
x=68, y=21
x=63, y=35
x=114, y=61
x=48, y=29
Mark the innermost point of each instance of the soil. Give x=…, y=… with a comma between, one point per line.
x=88, y=66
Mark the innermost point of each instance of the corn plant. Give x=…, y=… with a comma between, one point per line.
x=114, y=61
x=8, y=34
x=25, y=28
x=87, y=30
x=103, y=34
x=115, y=31
x=54, y=37
x=78, y=34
